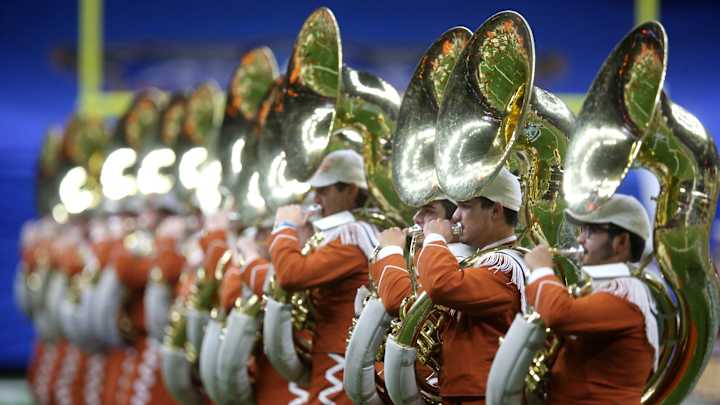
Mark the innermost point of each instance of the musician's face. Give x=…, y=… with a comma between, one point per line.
x=336, y=198
x=598, y=244
x=428, y=212
x=476, y=221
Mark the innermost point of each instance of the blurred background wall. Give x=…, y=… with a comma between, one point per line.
x=180, y=43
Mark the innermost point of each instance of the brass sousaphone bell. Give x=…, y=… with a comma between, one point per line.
x=414, y=178
x=198, y=170
x=239, y=134
x=84, y=146
x=491, y=116
x=328, y=105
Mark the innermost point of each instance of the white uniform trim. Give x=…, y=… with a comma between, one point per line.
x=637, y=293
x=335, y=384
x=388, y=267
x=277, y=238
x=94, y=377
x=301, y=395
x=146, y=373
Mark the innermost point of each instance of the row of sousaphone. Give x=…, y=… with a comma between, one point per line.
x=470, y=109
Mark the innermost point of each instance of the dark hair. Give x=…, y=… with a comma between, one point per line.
x=637, y=244
x=449, y=208
x=511, y=217
x=362, y=195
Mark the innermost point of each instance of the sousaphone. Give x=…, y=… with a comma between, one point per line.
x=414, y=178
x=325, y=106
x=627, y=120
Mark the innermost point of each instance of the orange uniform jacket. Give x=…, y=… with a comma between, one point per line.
x=270, y=387
x=333, y=272
x=392, y=281
x=606, y=358
x=169, y=259
x=486, y=302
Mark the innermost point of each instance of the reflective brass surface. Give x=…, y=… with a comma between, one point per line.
x=329, y=106
x=276, y=182
x=238, y=138
x=617, y=113
x=486, y=96
x=134, y=134
x=155, y=158
x=313, y=83
x=172, y=118
x=84, y=145
x=366, y=114
x=413, y=144
x=199, y=171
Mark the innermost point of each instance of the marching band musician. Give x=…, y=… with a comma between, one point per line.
x=611, y=335
x=334, y=271
x=483, y=298
x=269, y=386
x=388, y=270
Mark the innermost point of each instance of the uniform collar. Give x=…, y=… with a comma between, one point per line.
x=461, y=250
x=607, y=271
x=504, y=241
x=333, y=221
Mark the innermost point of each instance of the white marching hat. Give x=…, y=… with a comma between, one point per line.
x=504, y=189
x=340, y=166
x=622, y=210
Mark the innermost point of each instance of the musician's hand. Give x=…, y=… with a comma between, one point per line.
x=539, y=257
x=392, y=237
x=248, y=249
x=439, y=226
x=290, y=213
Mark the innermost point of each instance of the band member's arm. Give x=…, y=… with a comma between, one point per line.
x=132, y=270
x=253, y=275
x=72, y=262
x=103, y=250
x=231, y=287
x=326, y=264
x=213, y=248
x=211, y=238
x=391, y=278
x=169, y=259
x=479, y=291
x=598, y=312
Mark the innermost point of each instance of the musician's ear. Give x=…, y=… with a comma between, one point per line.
x=621, y=245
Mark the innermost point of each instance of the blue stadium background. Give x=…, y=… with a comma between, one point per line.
x=177, y=44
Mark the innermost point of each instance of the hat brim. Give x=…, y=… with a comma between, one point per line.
x=322, y=180
x=325, y=179
x=576, y=219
